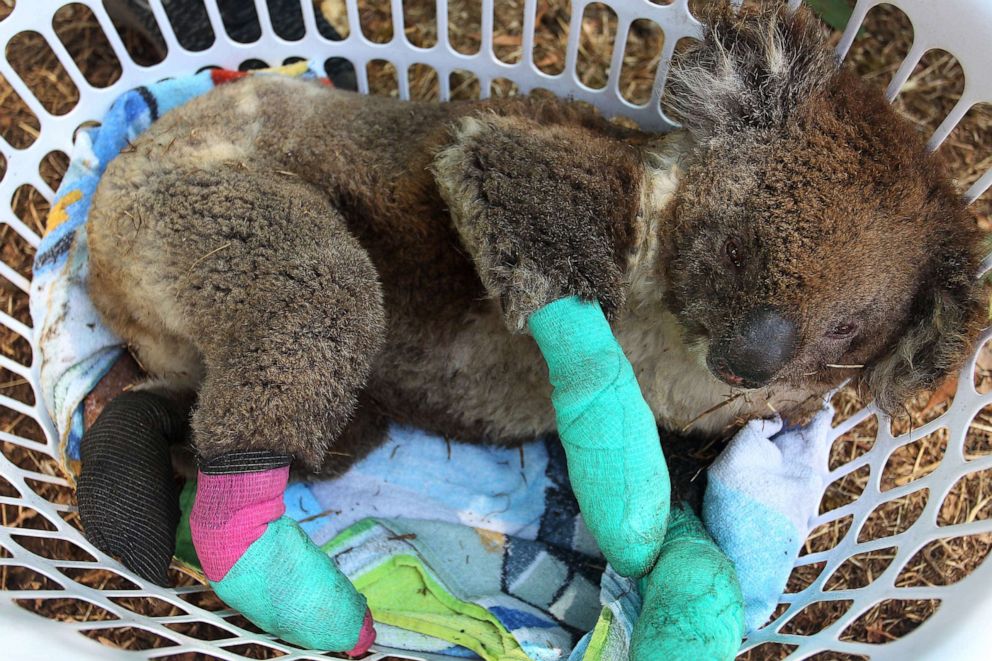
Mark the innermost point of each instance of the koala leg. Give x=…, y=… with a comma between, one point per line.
x=127, y=470
x=262, y=276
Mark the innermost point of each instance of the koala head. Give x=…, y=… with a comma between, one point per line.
x=812, y=236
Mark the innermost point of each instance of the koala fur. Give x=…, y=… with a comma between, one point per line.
x=314, y=262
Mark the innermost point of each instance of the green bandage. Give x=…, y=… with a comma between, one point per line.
x=615, y=463
x=693, y=608
x=289, y=587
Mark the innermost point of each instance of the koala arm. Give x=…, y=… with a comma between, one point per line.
x=546, y=212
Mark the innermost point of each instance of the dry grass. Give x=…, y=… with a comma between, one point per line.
x=931, y=92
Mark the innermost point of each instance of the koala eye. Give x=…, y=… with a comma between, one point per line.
x=733, y=252
x=843, y=330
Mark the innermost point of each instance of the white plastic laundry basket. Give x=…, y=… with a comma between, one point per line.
x=962, y=625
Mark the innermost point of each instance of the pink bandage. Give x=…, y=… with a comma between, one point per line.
x=230, y=512
x=365, y=638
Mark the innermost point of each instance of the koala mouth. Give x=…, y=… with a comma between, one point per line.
x=721, y=370
x=754, y=351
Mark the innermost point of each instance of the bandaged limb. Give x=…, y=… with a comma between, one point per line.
x=263, y=564
x=615, y=463
x=128, y=502
x=762, y=493
x=284, y=308
x=692, y=604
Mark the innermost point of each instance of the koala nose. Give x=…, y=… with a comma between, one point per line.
x=762, y=345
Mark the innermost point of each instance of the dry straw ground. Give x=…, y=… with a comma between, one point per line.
x=927, y=97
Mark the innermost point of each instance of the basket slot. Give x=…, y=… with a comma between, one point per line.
x=15, y=278
x=165, y=27
x=57, y=480
x=66, y=20
x=628, y=69
x=377, y=22
x=42, y=187
x=488, y=21
x=427, y=78
x=616, y=59
x=18, y=406
x=307, y=9
x=976, y=191
x=399, y=22
x=22, y=134
x=463, y=84
x=265, y=21
x=403, y=82
x=661, y=76
x=216, y=20
x=574, y=41
x=906, y=69
x=15, y=367
x=444, y=84
x=858, y=16
x=65, y=59
x=23, y=91
x=15, y=326
x=55, y=91
x=242, y=23
x=23, y=231
x=953, y=118
x=527, y=37
x=113, y=36
x=31, y=532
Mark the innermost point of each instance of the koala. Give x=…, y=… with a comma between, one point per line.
x=310, y=263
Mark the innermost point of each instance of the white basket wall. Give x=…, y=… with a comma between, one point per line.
x=960, y=625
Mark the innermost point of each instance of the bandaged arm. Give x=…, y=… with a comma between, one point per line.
x=546, y=207
x=615, y=463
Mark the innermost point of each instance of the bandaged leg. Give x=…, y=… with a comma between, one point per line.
x=692, y=604
x=261, y=563
x=615, y=463
x=127, y=496
x=762, y=492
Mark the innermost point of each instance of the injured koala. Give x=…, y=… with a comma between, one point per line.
x=308, y=264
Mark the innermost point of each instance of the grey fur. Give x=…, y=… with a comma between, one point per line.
x=253, y=283
x=750, y=72
x=558, y=227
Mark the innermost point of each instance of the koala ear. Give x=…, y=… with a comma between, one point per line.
x=946, y=316
x=753, y=69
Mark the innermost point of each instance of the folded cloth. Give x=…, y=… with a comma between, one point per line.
x=762, y=493
x=460, y=550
